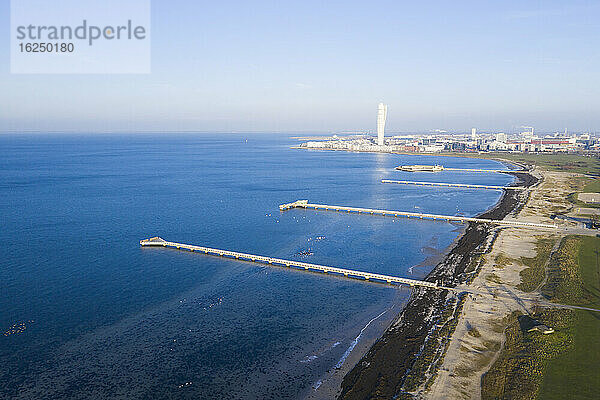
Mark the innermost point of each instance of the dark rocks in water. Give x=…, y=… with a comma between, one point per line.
x=304, y=253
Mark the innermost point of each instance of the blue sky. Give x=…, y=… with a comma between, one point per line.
x=322, y=66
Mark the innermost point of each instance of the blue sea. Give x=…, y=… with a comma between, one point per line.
x=86, y=313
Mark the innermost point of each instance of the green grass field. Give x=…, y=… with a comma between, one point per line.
x=558, y=162
x=588, y=185
x=575, y=374
x=565, y=364
x=592, y=186
x=554, y=162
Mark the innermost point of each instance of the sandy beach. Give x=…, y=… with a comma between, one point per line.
x=410, y=353
x=469, y=356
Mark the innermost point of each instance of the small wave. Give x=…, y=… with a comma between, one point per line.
x=313, y=357
x=355, y=342
x=309, y=359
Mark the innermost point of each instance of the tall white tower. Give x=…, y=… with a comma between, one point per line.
x=381, y=116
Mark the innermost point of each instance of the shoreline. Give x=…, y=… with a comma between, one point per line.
x=517, y=267
x=330, y=384
x=385, y=368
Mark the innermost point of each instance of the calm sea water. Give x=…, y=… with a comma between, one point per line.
x=86, y=313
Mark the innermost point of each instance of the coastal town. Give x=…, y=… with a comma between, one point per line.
x=526, y=141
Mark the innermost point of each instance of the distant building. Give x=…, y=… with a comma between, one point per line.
x=527, y=135
x=381, y=117
x=474, y=133
x=501, y=137
x=456, y=146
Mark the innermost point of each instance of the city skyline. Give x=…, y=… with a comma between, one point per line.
x=312, y=67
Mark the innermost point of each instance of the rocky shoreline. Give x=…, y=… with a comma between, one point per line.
x=407, y=356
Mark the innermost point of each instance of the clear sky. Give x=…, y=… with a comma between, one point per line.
x=322, y=66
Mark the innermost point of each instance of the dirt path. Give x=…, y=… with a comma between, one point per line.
x=479, y=336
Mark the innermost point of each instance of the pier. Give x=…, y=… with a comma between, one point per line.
x=460, y=185
x=439, y=168
x=349, y=273
x=388, y=213
x=503, y=171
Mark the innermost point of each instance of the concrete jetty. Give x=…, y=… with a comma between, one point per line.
x=391, y=213
x=439, y=168
x=504, y=171
x=349, y=273
x=353, y=274
x=460, y=185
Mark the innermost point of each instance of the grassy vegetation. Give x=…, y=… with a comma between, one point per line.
x=591, y=185
x=558, y=162
x=502, y=260
x=585, y=185
x=588, y=165
x=563, y=365
x=492, y=277
x=533, y=275
x=519, y=369
x=564, y=283
x=473, y=332
x=575, y=374
x=565, y=163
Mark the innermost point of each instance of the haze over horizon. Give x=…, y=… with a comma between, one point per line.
x=315, y=67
